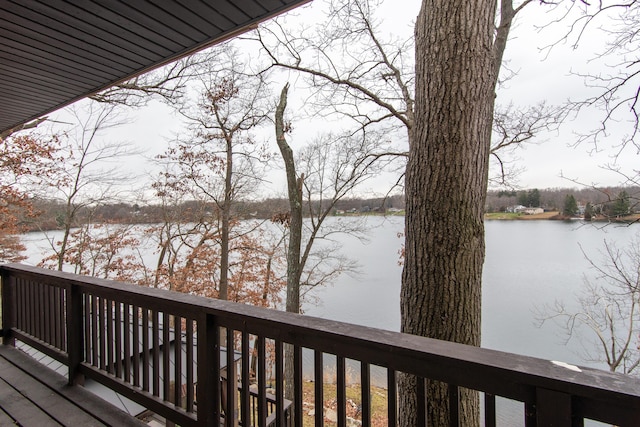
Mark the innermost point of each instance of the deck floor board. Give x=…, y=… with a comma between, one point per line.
x=34, y=395
x=53, y=404
x=23, y=410
x=5, y=419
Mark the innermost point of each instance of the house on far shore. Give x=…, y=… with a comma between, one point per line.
x=525, y=210
x=533, y=211
x=515, y=208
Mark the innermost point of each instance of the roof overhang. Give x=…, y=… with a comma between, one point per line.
x=53, y=53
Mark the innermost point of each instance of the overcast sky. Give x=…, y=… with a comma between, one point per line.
x=540, y=76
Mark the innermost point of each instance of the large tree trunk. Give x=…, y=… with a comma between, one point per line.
x=445, y=187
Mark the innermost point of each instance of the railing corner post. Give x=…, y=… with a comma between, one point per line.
x=75, y=334
x=8, y=307
x=208, y=387
x=553, y=408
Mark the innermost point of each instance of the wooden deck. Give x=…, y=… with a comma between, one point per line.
x=34, y=395
x=91, y=328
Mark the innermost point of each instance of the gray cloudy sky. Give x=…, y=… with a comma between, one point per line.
x=540, y=76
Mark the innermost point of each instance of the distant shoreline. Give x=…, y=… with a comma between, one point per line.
x=556, y=216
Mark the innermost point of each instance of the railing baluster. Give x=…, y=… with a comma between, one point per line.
x=190, y=361
x=117, y=318
x=94, y=331
x=365, y=382
x=297, y=385
x=454, y=405
x=39, y=310
x=341, y=390
x=318, y=377
x=58, y=323
x=126, y=335
x=146, y=366
x=102, y=332
x=166, y=356
x=31, y=303
x=47, y=315
x=20, y=298
x=177, y=355
x=530, y=415
x=231, y=407
x=51, y=327
x=262, y=382
x=245, y=395
x=31, y=306
x=489, y=410
x=88, y=310
x=392, y=398
x=26, y=303
x=135, y=345
x=155, y=338
x=279, y=349
x=421, y=402
x=109, y=341
x=42, y=313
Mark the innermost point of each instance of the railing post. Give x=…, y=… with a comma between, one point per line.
x=208, y=387
x=75, y=333
x=553, y=409
x=8, y=307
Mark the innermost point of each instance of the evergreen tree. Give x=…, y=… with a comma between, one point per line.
x=570, y=206
x=529, y=198
x=534, y=198
x=523, y=198
x=621, y=205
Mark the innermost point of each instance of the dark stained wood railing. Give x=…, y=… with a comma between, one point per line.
x=164, y=350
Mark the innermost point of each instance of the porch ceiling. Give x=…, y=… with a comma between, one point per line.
x=55, y=52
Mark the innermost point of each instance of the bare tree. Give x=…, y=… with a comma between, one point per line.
x=616, y=88
x=512, y=129
x=606, y=319
x=322, y=173
x=176, y=234
x=26, y=126
x=25, y=161
x=350, y=67
x=448, y=127
x=221, y=159
x=294, y=219
x=329, y=169
x=168, y=83
x=90, y=172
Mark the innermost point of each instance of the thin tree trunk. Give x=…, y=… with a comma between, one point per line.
x=294, y=188
x=445, y=186
x=223, y=291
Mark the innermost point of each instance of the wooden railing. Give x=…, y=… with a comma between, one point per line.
x=93, y=326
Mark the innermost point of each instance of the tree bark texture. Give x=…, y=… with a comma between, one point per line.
x=294, y=265
x=294, y=189
x=445, y=186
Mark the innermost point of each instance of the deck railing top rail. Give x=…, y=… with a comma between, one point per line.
x=589, y=393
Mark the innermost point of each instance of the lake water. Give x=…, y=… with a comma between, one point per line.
x=528, y=264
